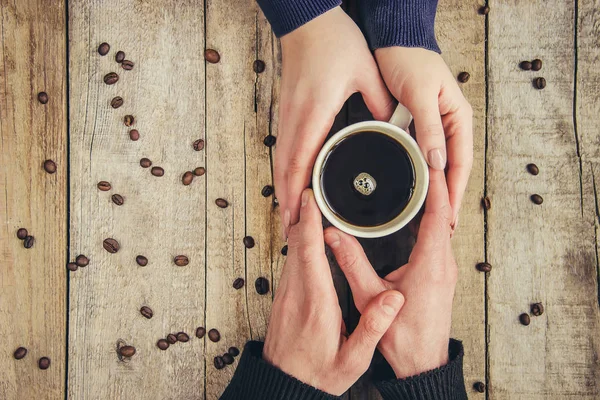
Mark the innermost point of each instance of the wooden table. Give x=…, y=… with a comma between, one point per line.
x=539, y=253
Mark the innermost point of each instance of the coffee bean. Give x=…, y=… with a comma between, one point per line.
x=249, y=242
x=199, y=171
x=270, y=140
x=129, y=120
x=537, y=309
x=537, y=199
x=214, y=335
x=118, y=199
x=259, y=66
x=463, y=77
x=157, y=171
x=104, y=186
x=484, y=267
x=171, y=338
x=28, y=242
x=539, y=83
x=127, y=351
x=486, y=203
x=524, y=318
x=116, y=102
x=162, y=344
x=145, y=162
x=22, y=233
x=120, y=56
x=484, y=10
x=127, y=65
x=103, y=49
x=536, y=64
x=212, y=56
x=533, y=169
x=183, y=337
x=141, y=261
x=50, y=166
x=525, y=65
x=72, y=267
x=20, y=353
x=234, y=351
x=200, y=332
x=44, y=363
x=187, y=178
x=43, y=97
x=146, y=312
x=134, y=135
x=238, y=283
x=82, y=261
x=479, y=386
x=219, y=363
x=111, y=78
x=284, y=250
x=181, y=261
x=198, y=144
x=111, y=245
x=227, y=358
x=221, y=203
x=262, y=286
x=267, y=191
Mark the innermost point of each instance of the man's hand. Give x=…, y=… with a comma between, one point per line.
x=417, y=341
x=307, y=337
x=421, y=81
x=324, y=62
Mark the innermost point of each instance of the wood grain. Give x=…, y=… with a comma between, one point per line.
x=540, y=253
x=33, y=281
x=161, y=218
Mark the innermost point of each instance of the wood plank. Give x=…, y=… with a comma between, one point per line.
x=33, y=281
x=540, y=253
x=161, y=218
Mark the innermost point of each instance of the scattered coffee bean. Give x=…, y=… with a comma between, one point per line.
x=536, y=64
x=146, y=312
x=22, y=233
x=234, y=351
x=284, y=250
x=479, y=386
x=221, y=203
x=484, y=267
x=537, y=199
x=134, y=135
x=183, y=337
x=157, y=171
x=127, y=65
x=525, y=65
x=238, y=283
x=219, y=363
x=187, y=178
x=116, y=102
x=72, y=267
x=259, y=66
x=270, y=140
x=103, y=49
x=262, y=285
x=118, y=199
x=227, y=358
x=145, y=162
x=181, y=261
x=212, y=56
x=524, y=318
x=539, y=83
x=127, y=351
x=249, y=242
x=44, y=363
x=463, y=77
x=141, y=261
x=111, y=245
x=111, y=78
x=50, y=166
x=486, y=203
x=20, y=353
x=214, y=335
x=162, y=344
x=533, y=169
x=128, y=120
x=198, y=144
x=484, y=10
x=200, y=332
x=82, y=261
x=171, y=338
x=267, y=191
x=537, y=309
x=199, y=171
x=28, y=242
x=43, y=97
x=104, y=186
x=120, y=56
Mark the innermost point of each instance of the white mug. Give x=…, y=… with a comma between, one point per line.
x=396, y=129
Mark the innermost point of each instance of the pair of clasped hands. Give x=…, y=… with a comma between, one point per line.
x=406, y=315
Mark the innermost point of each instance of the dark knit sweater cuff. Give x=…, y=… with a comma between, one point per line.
x=444, y=383
x=256, y=379
x=406, y=23
x=287, y=15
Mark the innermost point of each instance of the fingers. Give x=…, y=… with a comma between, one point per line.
x=376, y=95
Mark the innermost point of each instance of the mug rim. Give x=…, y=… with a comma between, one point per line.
x=414, y=204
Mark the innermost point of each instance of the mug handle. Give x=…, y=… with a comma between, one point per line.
x=401, y=117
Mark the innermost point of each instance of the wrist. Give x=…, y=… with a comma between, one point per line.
x=408, y=360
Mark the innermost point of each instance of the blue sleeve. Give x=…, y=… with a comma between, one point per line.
x=287, y=15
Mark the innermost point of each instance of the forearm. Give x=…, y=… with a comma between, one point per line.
x=287, y=15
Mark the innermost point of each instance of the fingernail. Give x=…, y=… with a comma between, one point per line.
x=333, y=239
x=304, y=198
x=437, y=159
x=391, y=304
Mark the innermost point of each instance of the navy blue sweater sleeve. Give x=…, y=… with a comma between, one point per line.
x=287, y=15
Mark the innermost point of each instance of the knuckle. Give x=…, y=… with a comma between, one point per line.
x=374, y=327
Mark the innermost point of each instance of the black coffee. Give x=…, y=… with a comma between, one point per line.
x=367, y=179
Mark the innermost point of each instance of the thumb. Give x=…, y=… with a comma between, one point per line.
x=376, y=95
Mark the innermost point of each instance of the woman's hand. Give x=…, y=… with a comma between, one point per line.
x=421, y=81
x=324, y=62
x=418, y=339
x=307, y=337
